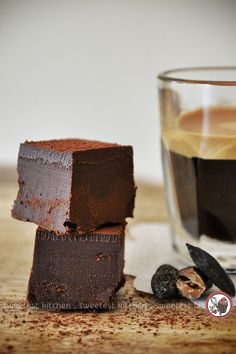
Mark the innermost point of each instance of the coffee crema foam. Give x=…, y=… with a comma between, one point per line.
x=208, y=134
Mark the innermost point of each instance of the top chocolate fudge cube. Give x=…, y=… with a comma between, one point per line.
x=80, y=183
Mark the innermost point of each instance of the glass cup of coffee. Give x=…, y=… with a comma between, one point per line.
x=198, y=140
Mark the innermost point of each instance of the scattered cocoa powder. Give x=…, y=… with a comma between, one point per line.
x=140, y=314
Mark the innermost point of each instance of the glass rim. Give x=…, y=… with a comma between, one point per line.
x=168, y=75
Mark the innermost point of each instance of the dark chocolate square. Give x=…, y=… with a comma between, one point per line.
x=80, y=182
x=76, y=271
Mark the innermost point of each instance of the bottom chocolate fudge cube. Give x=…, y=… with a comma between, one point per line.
x=76, y=271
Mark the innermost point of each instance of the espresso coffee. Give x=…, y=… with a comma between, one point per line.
x=199, y=153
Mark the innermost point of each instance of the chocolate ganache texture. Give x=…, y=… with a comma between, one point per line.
x=81, y=183
x=76, y=271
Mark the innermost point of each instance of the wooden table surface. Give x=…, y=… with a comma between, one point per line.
x=136, y=323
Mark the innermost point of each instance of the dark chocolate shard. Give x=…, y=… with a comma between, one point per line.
x=69, y=226
x=163, y=282
x=212, y=269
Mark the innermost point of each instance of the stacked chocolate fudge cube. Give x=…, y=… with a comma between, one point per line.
x=79, y=193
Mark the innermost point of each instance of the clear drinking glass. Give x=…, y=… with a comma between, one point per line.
x=198, y=138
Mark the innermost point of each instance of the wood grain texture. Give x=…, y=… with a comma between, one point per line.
x=136, y=323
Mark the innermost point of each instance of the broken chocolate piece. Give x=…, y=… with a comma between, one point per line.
x=163, y=282
x=212, y=269
x=76, y=271
x=192, y=282
x=75, y=182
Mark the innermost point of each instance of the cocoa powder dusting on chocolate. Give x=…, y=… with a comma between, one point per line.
x=70, y=144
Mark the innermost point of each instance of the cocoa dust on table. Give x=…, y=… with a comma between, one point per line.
x=93, y=328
